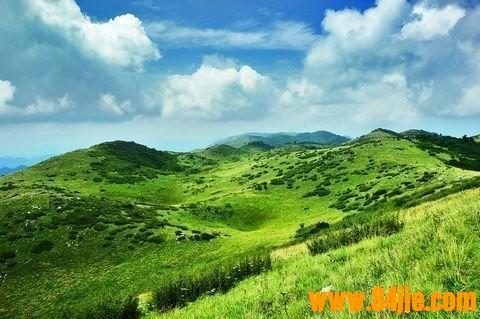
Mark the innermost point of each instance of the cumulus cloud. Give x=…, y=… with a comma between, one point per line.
x=469, y=104
x=121, y=40
x=430, y=22
x=394, y=62
x=38, y=107
x=215, y=93
x=283, y=35
x=57, y=58
x=109, y=104
x=7, y=90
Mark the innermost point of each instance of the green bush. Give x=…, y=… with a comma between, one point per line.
x=306, y=231
x=318, y=191
x=41, y=246
x=179, y=293
x=157, y=239
x=355, y=229
x=7, y=254
x=114, y=309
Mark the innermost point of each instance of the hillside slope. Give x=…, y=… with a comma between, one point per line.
x=119, y=219
x=451, y=225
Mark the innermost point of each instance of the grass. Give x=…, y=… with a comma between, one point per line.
x=352, y=230
x=219, y=280
x=100, y=226
x=439, y=250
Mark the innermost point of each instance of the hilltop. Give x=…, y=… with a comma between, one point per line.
x=278, y=139
x=91, y=228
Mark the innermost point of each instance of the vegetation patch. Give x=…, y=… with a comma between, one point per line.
x=220, y=280
x=127, y=162
x=354, y=230
x=113, y=309
x=40, y=247
x=305, y=232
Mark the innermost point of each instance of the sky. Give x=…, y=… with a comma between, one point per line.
x=180, y=74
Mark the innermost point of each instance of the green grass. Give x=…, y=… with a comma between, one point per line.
x=439, y=250
x=97, y=226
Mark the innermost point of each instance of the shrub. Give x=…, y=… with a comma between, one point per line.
x=99, y=226
x=114, y=309
x=157, y=239
x=7, y=254
x=353, y=230
x=318, y=191
x=41, y=246
x=306, y=231
x=179, y=293
x=97, y=179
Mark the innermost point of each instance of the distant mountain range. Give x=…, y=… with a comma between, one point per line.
x=8, y=170
x=277, y=139
x=14, y=161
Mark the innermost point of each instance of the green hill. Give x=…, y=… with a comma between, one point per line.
x=477, y=138
x=459, y=152
x=88, y=231
x=410, y=257
x=278, y=139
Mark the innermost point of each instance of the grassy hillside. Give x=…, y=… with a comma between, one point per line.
x=439, y=250
x=119, y=220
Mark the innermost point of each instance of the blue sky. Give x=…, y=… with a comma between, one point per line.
x=180, y=74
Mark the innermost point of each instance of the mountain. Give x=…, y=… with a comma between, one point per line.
x=224, y=150
x=12, y=161
x=277, y=139
x=458, y=152
x=377, y=134
x=9, y=170
x=85, y=233
x=116, y=162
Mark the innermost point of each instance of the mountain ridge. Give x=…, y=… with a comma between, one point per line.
x=10, y=170
x=129, y=213
x=282, y=138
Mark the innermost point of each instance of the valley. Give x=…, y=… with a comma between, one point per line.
x=90, y=229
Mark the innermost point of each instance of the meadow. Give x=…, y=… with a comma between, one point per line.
x=121, y=230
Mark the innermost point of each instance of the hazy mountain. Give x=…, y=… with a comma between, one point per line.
x=15, y=161
x=276, y=139
x=8, y=170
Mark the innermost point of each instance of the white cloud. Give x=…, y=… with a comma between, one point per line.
x=367, y=66
x=59, y=59
x=430, y=22
x=469, y=104
x=366, y=69
x=109, y=104
x=42, y=106
x=214, y=93
x=38, y=107
x=352, y=36
x=7, y=90
x=121, y=40
x=284, y=35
